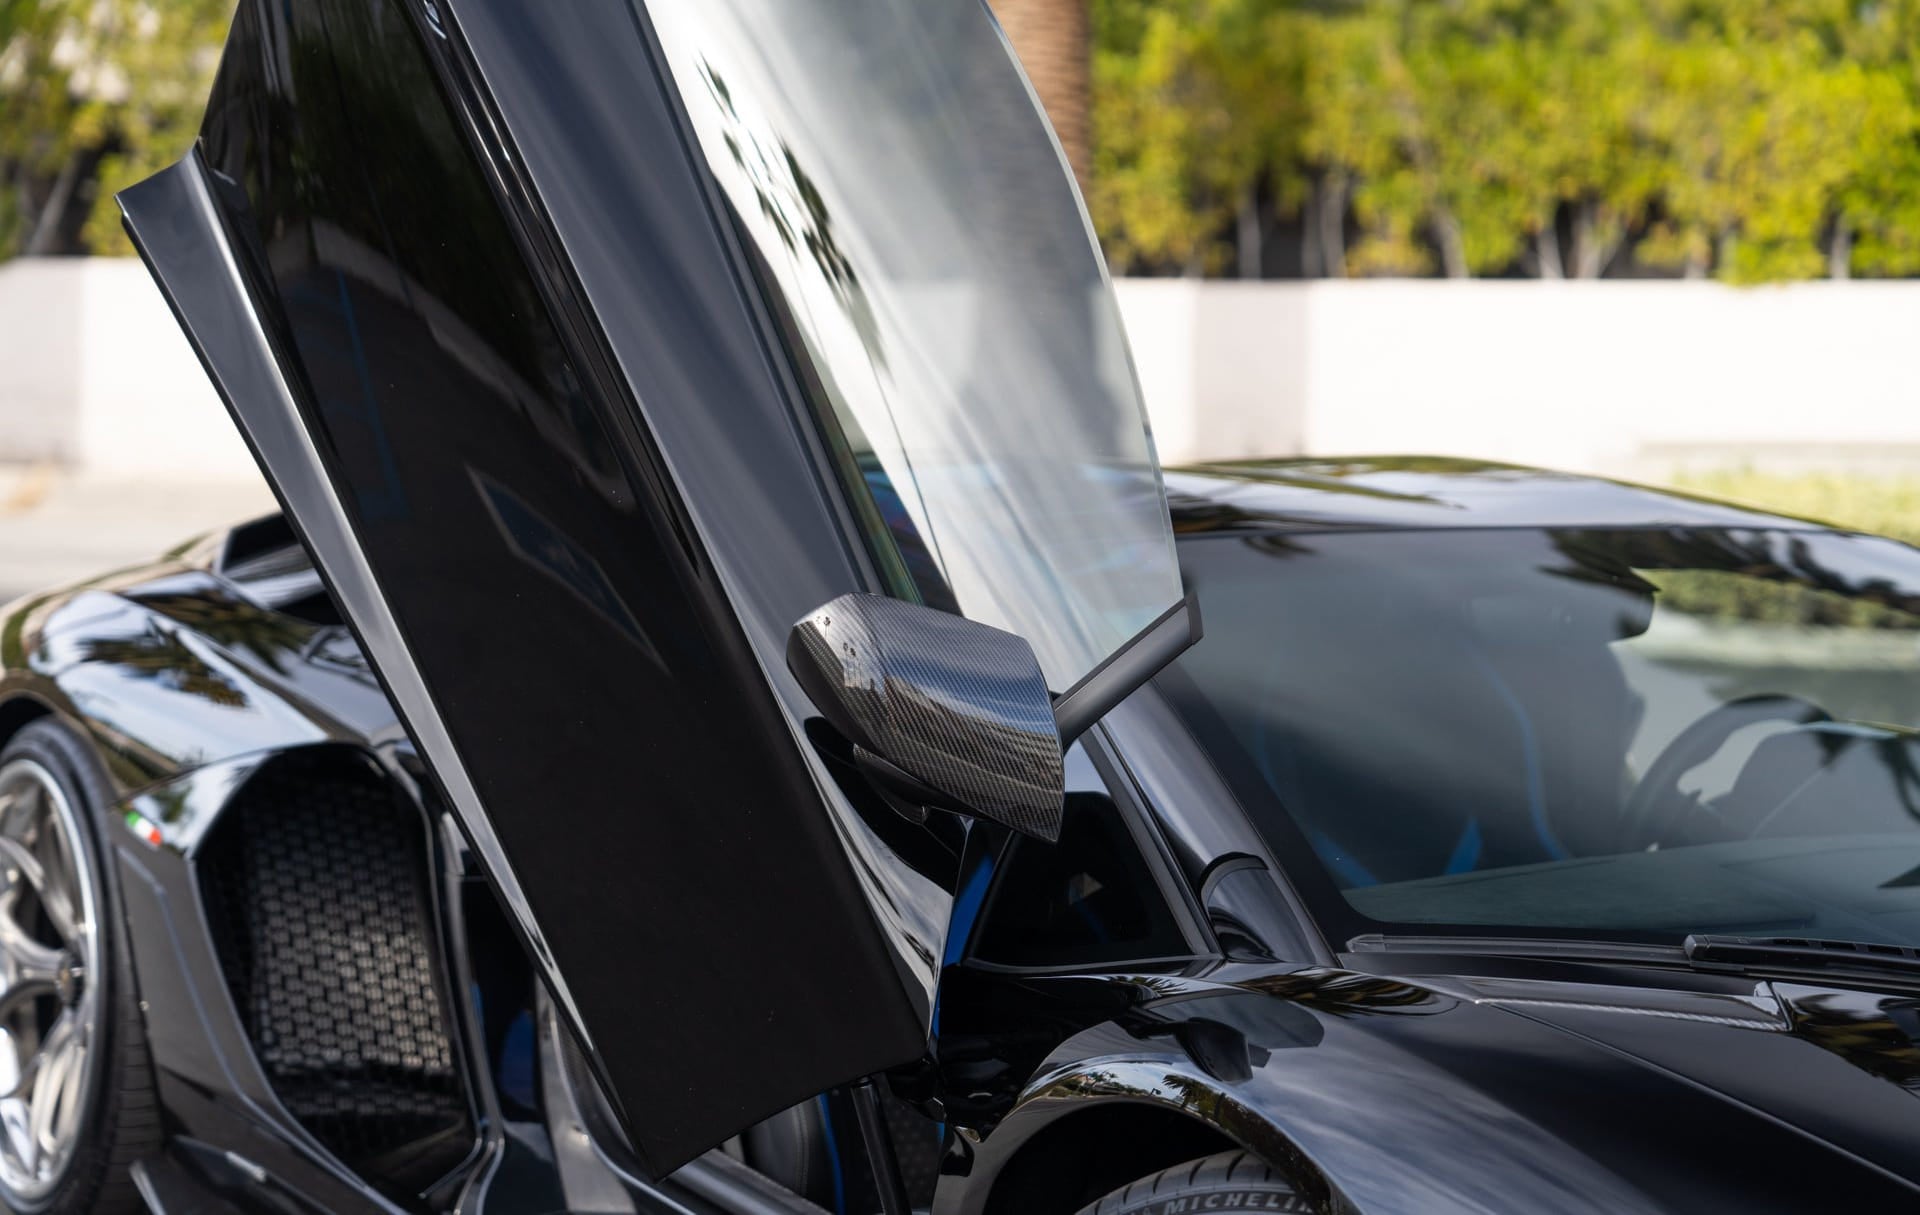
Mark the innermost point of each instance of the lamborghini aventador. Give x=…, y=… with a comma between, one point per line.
x=733, y=717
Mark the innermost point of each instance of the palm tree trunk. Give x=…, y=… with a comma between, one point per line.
x=46, y=228
x=1250, y=235
x=1546, y=243
x=1054, y=39
x=1597, y=238
x=1840, y=250
x=1331, y=223
x=1453, y=249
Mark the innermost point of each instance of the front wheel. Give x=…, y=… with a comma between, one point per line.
x=76, y=1095
x=1230, y=1181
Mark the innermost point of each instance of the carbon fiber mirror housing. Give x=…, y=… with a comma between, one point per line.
x=943, y=712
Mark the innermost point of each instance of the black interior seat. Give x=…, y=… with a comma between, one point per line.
x=795, y=1149
x=1551, y=656
x=814, y=1150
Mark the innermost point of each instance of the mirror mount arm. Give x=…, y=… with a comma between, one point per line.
x=910, y=797
x=1127, y=669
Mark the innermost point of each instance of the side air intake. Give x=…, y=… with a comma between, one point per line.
x=316, y=882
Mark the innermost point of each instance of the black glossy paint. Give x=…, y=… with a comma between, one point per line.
x=558, y=625
x=1385, y=1082
x=1412, y=1083
x=477, y=307
x=187, y=684
x=1570, y=1093
x=1427, y=491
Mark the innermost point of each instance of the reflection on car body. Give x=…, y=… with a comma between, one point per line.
x=1184, y=979
x=481, y=834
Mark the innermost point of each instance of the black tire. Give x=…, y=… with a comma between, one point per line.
x=122, y=1117
x=1230, y=1181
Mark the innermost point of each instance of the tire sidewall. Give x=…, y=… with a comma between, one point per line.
x=1211, y=1183
x=56, y=748
x=1273, y=1200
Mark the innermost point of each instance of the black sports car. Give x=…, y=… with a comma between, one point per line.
x=723, y=722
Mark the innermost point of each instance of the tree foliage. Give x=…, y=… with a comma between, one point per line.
x=95, y=95
x=1751, y=139
x=1755, y=140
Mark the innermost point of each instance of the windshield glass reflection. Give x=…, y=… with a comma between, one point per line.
x=1638, y=733
x=935, y=280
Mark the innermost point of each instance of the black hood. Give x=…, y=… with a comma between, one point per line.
x=1837, y=1067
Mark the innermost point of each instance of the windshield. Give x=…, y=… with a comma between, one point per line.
x=917, y=235
x=1631, y=734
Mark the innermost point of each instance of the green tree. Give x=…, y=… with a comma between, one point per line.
x=1757, y=140
x=1876, y=228
x=1549, y=114
x=94, y=95
x=1363, y=119
x=1198, y=110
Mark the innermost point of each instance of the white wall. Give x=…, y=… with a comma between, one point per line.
x=146, y=408
x=1622, y=377
x=95, y=375
x=1619, y=377
x=40, y=360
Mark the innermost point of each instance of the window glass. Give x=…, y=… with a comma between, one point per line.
x=1655, y=731
x=914, y=226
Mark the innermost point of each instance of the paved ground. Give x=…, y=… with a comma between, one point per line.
x=54, y=528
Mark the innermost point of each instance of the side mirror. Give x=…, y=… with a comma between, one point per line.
x=943, y=712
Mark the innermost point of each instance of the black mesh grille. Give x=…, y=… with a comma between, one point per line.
x=316, y=888
x=916, y=1146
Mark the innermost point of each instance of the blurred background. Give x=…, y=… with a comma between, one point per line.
x=1673, y=240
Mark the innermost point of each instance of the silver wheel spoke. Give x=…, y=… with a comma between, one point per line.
x=49, y=881
x=50, y=1086
x=49, y=1003
x=16, y=1141
x=60, y=1120
x=57, y=886
x=23, y=861
x=20, y=994
x=29, y=1069
x=28, y=969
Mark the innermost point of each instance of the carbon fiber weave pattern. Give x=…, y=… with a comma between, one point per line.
x=956, y=704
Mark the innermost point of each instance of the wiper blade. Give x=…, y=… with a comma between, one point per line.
x=1733, y=953
x=1559, y=948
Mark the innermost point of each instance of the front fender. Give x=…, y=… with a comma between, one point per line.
x=1164, y=1083
x=1405, y=1100
x=169, y=670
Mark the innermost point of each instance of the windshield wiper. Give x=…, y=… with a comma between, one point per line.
x=1558, y=948
x=1802, y=954
x=1705, y=952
